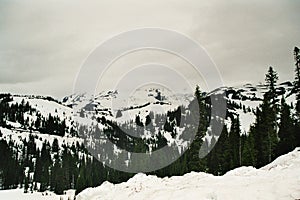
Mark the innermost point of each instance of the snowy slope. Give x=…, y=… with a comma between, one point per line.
x=278, y=180
x=82, y=109
x=19, y=135
x=143, y=100
x=45, y=107
x=243, y=100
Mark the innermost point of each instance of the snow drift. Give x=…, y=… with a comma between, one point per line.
x=278, y=180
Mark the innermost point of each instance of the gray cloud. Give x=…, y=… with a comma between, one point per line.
x=43, y=43
x=244, y=38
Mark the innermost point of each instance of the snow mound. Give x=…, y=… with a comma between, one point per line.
x=290, y=160
x=241, y=171
x=278, y=180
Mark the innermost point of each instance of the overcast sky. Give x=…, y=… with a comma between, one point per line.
x=44, y=43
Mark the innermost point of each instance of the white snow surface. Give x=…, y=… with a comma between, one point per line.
x=18, y=135
x=278, y=180
x=18, y=194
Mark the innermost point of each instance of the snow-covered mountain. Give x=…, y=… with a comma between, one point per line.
x=243, y=100
x=88, y=110
x=278, y=180
x=143, y=100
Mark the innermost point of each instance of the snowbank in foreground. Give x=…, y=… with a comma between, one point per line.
x=278, y=180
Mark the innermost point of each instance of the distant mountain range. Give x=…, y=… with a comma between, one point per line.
x=81, y=109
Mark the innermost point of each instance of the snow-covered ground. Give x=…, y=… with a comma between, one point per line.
x=18, y=194
x=278, y=180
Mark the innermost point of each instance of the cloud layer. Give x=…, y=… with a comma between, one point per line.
x=43, y=43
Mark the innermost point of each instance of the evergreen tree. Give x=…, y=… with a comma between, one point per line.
x=297, y=77
x=286, y=130
x=271, y=79
x=26, y=184
x=248, y=153
x=265, y=135
x=38, y=167
x=66, y=179
x=46, y=163
x=235, y=143
x=55, y=146
x=138, y=121
x=57, y=178
x=81, y=183
x=148, y=120
x=218, y=158
x=297, y=91
x=199, y=112
x=265, y=128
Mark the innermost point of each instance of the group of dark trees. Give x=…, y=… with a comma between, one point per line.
x=274, y=133
x=15, y=112
x=59, y=166
x=56, y=167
